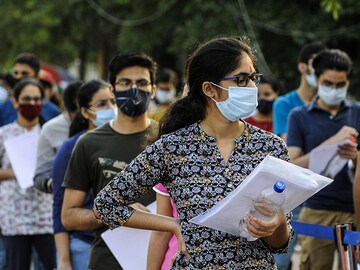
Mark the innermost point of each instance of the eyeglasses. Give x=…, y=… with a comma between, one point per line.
x=126, y=83
x=103, y=103
x=28, y=99
x=243, y=79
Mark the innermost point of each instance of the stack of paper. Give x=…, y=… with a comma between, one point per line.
x=325, y=159
x=300, y=185
x=21, y=151
x=128, y=245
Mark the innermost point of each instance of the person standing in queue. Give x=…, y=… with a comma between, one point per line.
x=202, y=152
x=103, y=152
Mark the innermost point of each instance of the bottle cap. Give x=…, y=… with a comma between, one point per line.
x=279, y=186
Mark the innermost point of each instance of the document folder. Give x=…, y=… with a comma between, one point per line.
x=300, y=183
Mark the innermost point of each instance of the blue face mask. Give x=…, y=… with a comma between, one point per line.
x=104, y=116
x=241, y=102
x=332, y=96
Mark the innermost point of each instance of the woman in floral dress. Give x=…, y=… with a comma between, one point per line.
x=203, y=151
x=25, y=214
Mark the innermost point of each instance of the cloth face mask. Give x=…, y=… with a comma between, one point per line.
x=265, y=106
x=133, y=102
x=30, y=111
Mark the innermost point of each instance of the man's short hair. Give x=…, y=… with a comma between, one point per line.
x=131, y=59
x=167, y=75
x=29, y=59
x=309, y=50
x=332, y=59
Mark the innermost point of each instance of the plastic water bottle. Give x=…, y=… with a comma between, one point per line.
x=270, y=200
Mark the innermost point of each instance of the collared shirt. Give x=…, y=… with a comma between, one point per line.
x=189, y=164
x=308, y=127
x=22, y=212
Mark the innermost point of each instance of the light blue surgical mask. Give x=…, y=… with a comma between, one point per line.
x=3, y=94
x=241, y=102
x=104, y=116
x=310, y=78
x=332, y=96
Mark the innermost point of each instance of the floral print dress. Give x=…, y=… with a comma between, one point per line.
x=188, y=163
x=22, y=211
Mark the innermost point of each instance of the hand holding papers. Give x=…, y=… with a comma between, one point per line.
x=300, y=185
x=325, y=159
x=22, y=154
x=128, y=245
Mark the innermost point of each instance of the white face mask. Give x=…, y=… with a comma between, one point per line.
x=332, y=96
x=241, y=102
x=310, y=78
x=163, y=96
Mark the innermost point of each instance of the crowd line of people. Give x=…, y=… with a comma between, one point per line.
x=107, y=149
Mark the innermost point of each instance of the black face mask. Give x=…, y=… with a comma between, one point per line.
x=133, y=102
x=265, y=106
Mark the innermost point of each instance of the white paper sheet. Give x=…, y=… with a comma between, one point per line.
x=22, y=154
x=324, y=159
x=300, y=185
x=128, y=245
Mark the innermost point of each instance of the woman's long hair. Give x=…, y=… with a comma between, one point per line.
x=85, y=94
x=209, y=63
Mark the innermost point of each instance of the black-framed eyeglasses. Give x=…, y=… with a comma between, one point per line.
x=126, y=83
x=243, y=79
x=28, y=99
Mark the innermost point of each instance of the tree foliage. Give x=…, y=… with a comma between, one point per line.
x=95, y=30
x=332, y=6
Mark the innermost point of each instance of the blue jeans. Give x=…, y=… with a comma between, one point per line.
x=36, y=261
x=283, y=261
x=80, y=254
